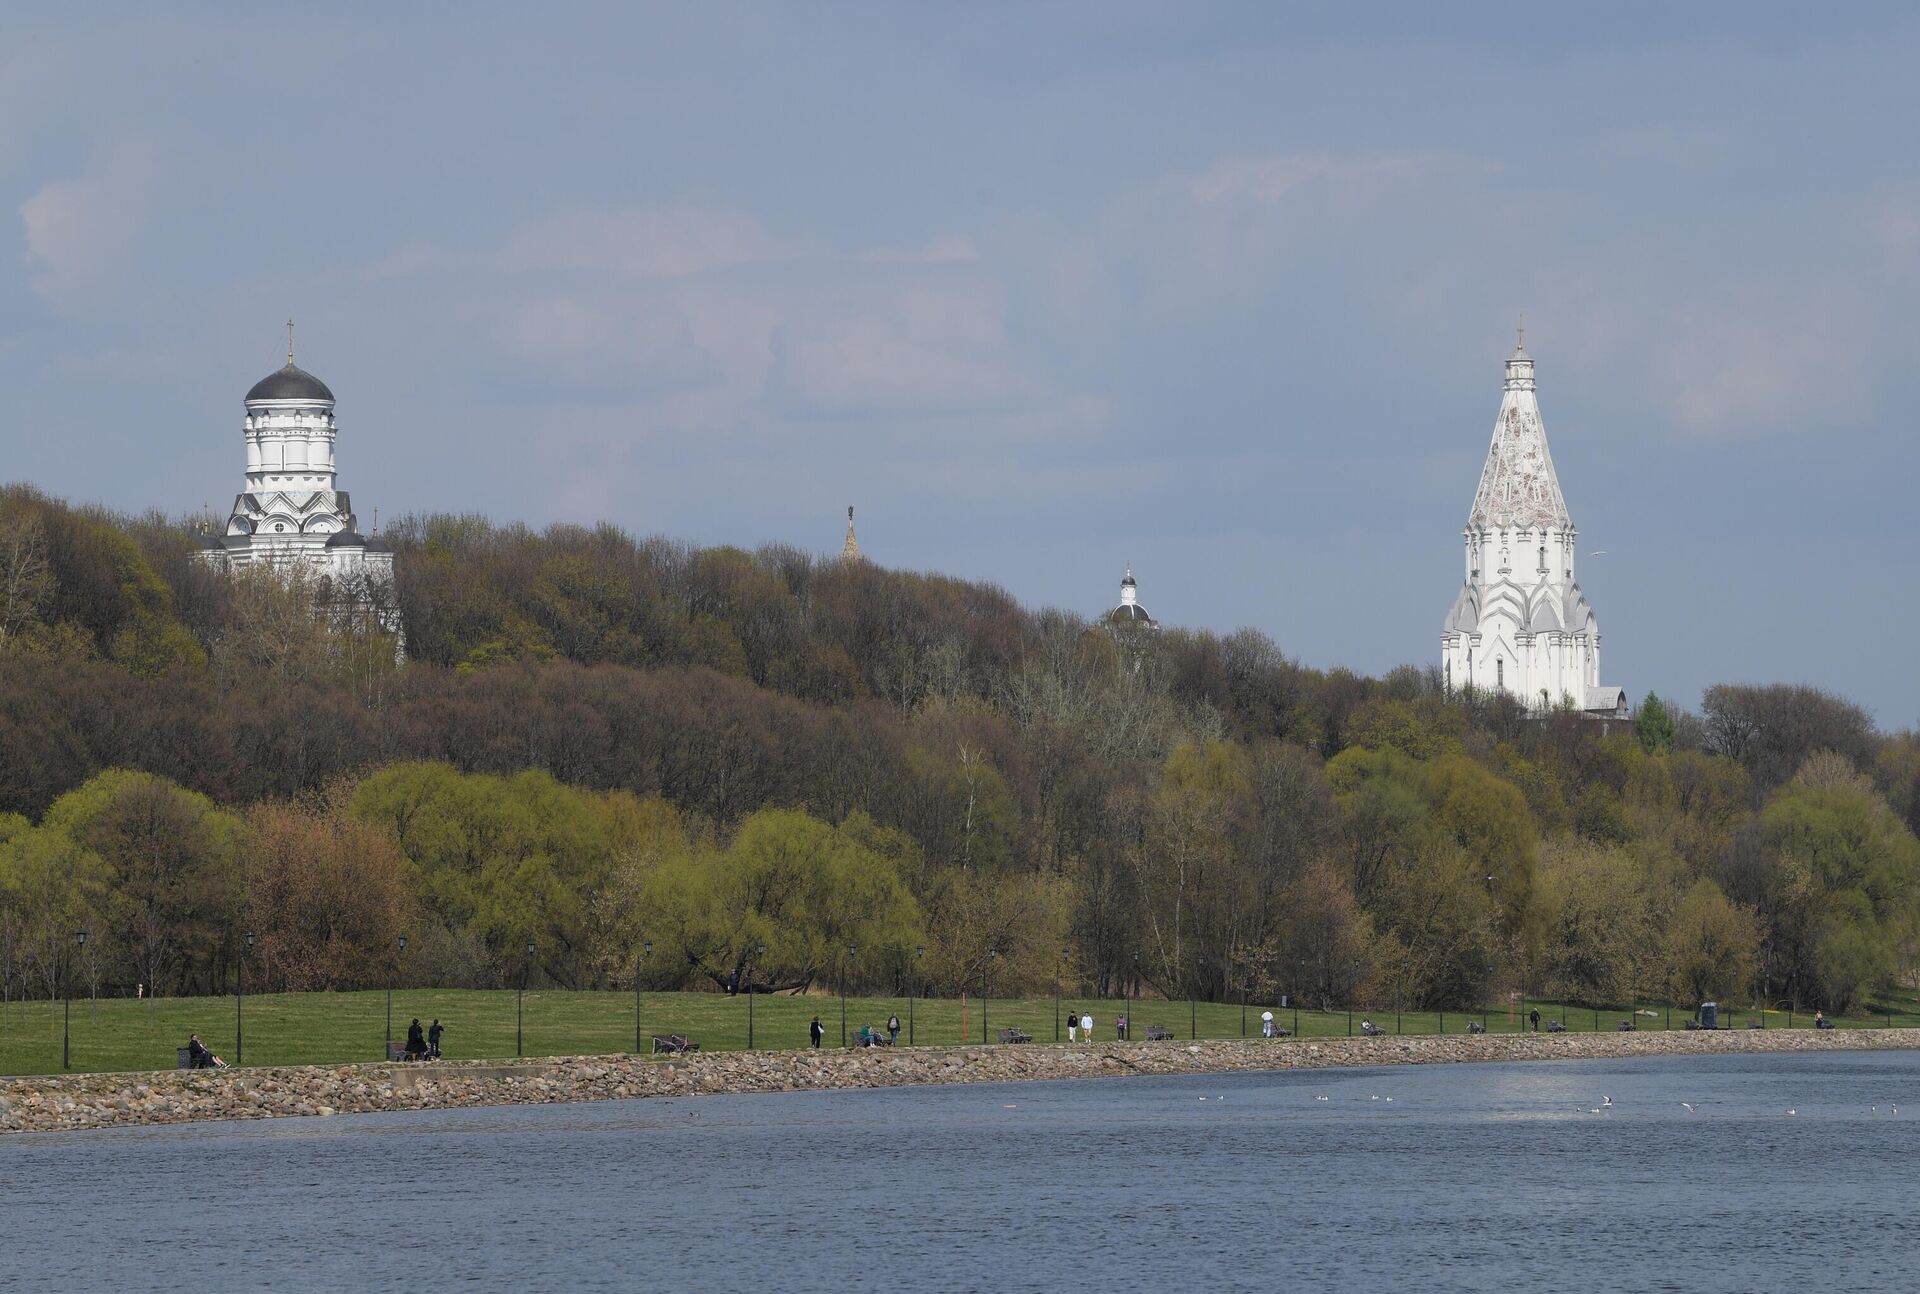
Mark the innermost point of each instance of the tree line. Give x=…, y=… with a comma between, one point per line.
x=599, y=741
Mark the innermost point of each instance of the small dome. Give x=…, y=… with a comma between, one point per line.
x=290, y=383
x=346, y=539
x=1130, y=613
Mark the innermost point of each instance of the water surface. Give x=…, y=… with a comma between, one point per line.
x=1471, y=1177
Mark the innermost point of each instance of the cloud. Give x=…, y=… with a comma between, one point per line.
x=81, y=232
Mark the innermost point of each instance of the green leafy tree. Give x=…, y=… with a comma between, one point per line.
x=1653, y=724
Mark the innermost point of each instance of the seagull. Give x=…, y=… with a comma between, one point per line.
x=1389, y=1100
x=1373, y=1098
x=1598, y=553
x=1322, y=1098
x=1606, y=1102
x=1793, y=1111
x=1686, y=1106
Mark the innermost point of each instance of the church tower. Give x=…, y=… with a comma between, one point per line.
x=290, y=511
x=1129, y=614
x=1520, y=623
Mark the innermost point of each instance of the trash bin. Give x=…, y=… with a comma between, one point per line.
x=1709, y=1015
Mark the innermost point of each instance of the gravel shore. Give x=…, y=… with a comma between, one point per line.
x=67, y=1102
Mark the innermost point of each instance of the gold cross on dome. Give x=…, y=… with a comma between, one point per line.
x=289, y=342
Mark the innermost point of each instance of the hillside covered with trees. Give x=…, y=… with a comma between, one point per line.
x=599, y=740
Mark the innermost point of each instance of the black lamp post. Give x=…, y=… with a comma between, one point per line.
x=919, y=953
x=986, y=990
x=851, y=950
x=66, y=1023
x=1128, y=999
x=759, y=950
x=520, y=1005
x=646, y=951
x=239, y=999
x=1057, y=981
x=393, y=964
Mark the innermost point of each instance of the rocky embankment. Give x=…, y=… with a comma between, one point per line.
x=66, y=1102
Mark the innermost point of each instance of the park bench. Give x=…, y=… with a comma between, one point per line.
x=674, y=1044
x=1273, y=1030
x=872, y=1037
x=186, y=1059
x=1011, y=1034
x=1554, y=1026
x=1625, y=1026
x=1823, y=1023
x=1159, y=1033
x=1371, y=1029
x=1474, y=1026
x=396, y=1050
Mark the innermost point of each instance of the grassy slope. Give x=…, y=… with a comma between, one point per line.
x=318, y=1028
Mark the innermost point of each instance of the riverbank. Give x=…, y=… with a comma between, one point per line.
x=79, y=1101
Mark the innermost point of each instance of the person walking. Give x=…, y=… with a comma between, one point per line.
x=433, y=1039
x=818, y=1031
x=1266, y=1024
x=1533, y=1018
x=893, y=1030
x=416, y=1041
x=1086, y=1028
x=1073, y=1026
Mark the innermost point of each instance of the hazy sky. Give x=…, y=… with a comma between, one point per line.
x=1042, y=288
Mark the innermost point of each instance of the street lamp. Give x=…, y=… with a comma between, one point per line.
x=66, y=1023
x=986, y=987
x=851, y=950
x=1057, y=980
x=1193, y=993
x=520, y=1005
x=1128, y=998
x=392, y=964
x=759, y=950
x=646, y=951
x=239, y=998
x=919, y=955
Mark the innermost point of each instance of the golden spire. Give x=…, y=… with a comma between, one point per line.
x=1520, y=334
x=289, y=343
x=850, y=551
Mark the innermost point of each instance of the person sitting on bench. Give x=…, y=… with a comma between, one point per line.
x=198, y=1057
x=1820, y=1021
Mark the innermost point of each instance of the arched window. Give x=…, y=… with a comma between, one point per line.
x=1543, y=557
x=1500, y=673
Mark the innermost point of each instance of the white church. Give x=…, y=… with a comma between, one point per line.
x=1520, y=623
x=290, y=515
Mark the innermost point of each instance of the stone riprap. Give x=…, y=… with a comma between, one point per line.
x=74, y=1101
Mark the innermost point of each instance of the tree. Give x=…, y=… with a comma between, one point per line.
x=173, y=863
x=327, y=894
x=1653, y=724
x=1711, y=946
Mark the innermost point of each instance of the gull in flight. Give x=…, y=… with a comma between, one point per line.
x=1606, y=1102
x=1686, y=1106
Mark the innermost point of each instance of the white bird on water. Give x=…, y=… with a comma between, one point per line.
x=1685, y=1106
x=1606, y=1102
x=1793, y=1111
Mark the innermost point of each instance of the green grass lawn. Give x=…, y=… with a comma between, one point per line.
x=323, y=1028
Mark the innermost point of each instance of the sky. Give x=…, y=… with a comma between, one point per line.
x=1223, y=291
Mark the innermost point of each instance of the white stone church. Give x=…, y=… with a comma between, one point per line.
x=1520, y=623
x=290, y=515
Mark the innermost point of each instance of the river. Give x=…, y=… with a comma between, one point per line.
x=1458, y=1177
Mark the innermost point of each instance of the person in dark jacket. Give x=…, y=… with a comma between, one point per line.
x=817, y=1031
x=198, y=1057
x=893, y=1030
x=416, y=1041
x=1533, y=1018
x=433, y=1039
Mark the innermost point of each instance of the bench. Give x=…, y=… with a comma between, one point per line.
x=186, y=1059
x=1371, y=1030
x=1158, y=1033
x=674, y=1044
x=1272, y=1030
x=1554, y=1026
x=1823, y=1023
x=1015, y=1035
x=1474, y=1026
x=1625, y=1026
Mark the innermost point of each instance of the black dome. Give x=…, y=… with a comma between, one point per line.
x=290, y=383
